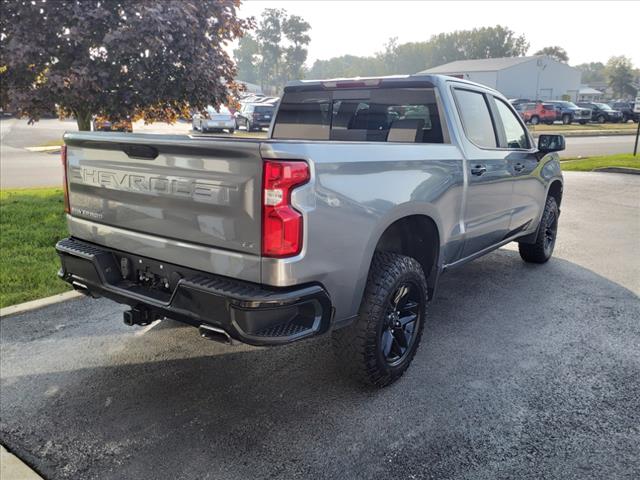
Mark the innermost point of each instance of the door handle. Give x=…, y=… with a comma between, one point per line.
x=478, y=170
x=518, y=167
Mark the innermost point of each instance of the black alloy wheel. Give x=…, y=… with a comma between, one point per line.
x=403, y=317
x=541, y=249
x=378, y=347
x=550, y=231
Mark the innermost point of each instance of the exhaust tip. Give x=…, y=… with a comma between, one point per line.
x=215, y=334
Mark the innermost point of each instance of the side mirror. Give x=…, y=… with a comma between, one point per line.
x=550, y=143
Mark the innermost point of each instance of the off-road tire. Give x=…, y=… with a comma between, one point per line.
x=541, y=251
x=358, y=346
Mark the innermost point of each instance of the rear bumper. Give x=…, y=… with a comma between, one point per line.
x=261, y=123
x=247, y=312
x=218, y=124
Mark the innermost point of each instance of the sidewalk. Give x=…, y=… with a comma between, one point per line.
x=12, y=468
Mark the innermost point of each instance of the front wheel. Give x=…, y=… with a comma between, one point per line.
x=381, y=343
x=535, y=120
x=601, y=119
x=541, y=250
x=566, y=119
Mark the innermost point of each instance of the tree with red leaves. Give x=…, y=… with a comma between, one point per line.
x=156, y=60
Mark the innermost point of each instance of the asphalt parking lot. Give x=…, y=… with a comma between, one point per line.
x=20, y=168
x=524, y=372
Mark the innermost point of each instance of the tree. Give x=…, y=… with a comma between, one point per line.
x=555, y=52
x=620, y=73
x=592, y=72
x=488, y=42
x=153, y=60
x=269, y=36
x=246, y=57
x=485, y=42
x=296, y=30
x=282, y=42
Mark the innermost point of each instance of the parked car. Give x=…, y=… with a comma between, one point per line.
x=601, y=112
x=214, y=120
x=569, y=112
x=517, y=101
x=255, y=116
x=534, y=113
x=626, y=107
x=103, y=124
x=343, y=220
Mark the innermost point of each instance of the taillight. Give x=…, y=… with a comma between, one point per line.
x=65, y=185
x=281, y=223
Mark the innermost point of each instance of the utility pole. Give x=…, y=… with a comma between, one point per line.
x=636, y=109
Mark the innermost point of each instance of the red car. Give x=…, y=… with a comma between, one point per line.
x=534, y=113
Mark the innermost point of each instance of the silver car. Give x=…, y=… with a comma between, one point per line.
x=214, y=120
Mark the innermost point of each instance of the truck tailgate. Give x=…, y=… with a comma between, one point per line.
x=203, y=191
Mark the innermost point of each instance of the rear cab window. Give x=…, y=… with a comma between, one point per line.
x=264, y=109
x=409, y=115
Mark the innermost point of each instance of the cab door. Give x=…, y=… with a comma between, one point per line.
x=487, y=207
x=516, y=143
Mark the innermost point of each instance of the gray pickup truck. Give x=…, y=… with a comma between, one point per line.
x=342, y=220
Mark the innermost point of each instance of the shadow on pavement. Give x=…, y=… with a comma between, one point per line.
x=524, y=372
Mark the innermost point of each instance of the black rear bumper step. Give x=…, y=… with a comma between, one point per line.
x=247, y=312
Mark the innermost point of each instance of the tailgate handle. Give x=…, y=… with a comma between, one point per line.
x=140, y=151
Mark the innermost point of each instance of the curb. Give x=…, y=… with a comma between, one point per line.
x=51, y=149
x=627, y=170
x=40, y=303
x=12, y=468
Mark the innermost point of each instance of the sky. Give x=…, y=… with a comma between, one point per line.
x=588, y=31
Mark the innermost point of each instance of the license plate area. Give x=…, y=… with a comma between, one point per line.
x=147, y=277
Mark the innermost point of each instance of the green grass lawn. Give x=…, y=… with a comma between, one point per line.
x=591, y=163
x=31, y=222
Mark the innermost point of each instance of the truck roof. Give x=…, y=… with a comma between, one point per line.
x=415, y=80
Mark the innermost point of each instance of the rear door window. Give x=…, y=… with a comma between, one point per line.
x=375, y=115
x=476, y=119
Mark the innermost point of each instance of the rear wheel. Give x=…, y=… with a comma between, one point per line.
x=535, y=120
x=566, y=119
x=541, y=250
x=379, y=346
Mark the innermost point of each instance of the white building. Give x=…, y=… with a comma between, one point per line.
x=535, y=78
x=588, y=94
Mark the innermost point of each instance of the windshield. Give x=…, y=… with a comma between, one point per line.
x=602, y=106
